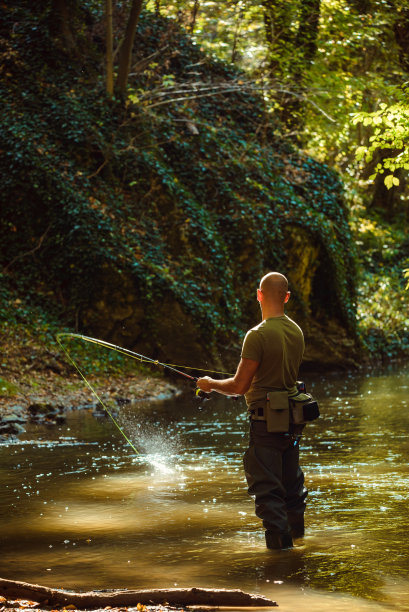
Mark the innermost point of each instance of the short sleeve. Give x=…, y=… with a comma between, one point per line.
x=252, y=346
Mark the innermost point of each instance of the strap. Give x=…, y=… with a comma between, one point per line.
x=297, y=396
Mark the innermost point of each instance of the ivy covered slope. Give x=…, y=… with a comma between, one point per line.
x=150, y=222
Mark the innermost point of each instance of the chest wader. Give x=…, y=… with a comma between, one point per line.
x=271, y=463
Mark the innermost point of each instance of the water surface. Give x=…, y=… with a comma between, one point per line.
x=80, y=509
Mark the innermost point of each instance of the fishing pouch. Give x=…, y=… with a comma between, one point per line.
x=303, y=408
x=277, y=412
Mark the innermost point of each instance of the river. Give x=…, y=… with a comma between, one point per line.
x=80, y=510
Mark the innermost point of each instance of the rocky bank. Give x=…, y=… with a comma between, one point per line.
x=42, y=392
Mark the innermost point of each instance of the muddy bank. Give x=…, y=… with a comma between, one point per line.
x=45, y=396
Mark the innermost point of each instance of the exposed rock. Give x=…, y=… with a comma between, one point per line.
x=13, y=418
x=11, y=428
x=303, y=258
x=329, y=347
x=47, y=413
x=117, y=313
x=60, y=397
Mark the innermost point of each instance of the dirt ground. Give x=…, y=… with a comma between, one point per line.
x=41, y=386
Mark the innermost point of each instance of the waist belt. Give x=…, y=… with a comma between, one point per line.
x=285, y=408
x=257, y=414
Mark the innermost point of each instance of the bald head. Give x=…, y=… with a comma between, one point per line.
x=274, y=287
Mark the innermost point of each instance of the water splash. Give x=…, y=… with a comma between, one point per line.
x=159, y=462
x=154, y=442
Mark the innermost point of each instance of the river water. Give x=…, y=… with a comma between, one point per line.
x=80, y=510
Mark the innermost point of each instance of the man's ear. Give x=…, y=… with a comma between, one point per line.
x=287, y=297
x=259, y=295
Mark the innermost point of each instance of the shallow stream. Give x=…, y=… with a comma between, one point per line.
x=80, y=510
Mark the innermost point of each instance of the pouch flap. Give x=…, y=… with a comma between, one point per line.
x=298, y=396
x=301, y=397
x=278, y=400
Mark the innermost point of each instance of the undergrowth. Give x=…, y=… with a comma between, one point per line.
x=382, y=314
x=186, y=203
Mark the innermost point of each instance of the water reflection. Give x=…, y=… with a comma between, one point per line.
x=81, y=510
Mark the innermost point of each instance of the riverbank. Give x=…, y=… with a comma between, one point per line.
x=37, y=384
x=45, y=397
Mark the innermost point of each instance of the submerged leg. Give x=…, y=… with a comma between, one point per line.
x=296, y=493
x=263, y=469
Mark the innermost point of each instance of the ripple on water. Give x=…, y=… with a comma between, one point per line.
x=88, y=512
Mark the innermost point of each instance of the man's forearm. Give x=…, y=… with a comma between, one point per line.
x=227, y=386
x=238, y=384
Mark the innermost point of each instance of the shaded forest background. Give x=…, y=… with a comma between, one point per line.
x=158, y=158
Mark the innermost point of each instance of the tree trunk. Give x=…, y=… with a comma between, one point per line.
x=117, y=598
x=195, y=10
x=109, y=49
x=291, y=52
x=278, y=32
x=401, y=31
x=63, y=24
x=306, y=39
x=125, y=52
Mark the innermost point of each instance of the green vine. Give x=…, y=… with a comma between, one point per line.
x=190, y=200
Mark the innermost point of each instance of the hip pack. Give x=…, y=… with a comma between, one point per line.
x=293, y=407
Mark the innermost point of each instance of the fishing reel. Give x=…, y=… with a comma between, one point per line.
x=202, y=395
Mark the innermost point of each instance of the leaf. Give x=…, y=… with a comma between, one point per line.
x=391, y=180
x=360, y=152
x=388, y=180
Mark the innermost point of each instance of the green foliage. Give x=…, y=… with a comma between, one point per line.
x=7, y=388
x=382, y=303
x=359, y=64
x=188, y=197
x=390, y=132
x=406, y=275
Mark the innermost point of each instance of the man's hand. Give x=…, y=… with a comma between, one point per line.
x=205, y=383
x=238, y=385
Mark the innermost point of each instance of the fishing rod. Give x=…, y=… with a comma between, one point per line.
x=202, y=395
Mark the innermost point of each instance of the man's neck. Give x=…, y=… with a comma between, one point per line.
x=271, y=312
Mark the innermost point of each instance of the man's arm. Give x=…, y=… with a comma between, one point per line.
x=238, y=385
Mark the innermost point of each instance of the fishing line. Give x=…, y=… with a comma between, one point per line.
x=92, y=388
x=139, y=356
x=128, y=353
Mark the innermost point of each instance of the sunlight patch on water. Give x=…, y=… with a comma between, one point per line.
x=161, y=463
x=153, y=443
x=290, y=599
x=47, y=443
x=179, y=512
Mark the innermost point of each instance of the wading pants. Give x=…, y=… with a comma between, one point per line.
x=275, y=479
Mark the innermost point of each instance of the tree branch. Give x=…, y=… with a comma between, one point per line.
x=121, y=598
x=197, y=92
x=38, y=246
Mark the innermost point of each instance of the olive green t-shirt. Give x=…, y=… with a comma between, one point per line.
x=277, y=344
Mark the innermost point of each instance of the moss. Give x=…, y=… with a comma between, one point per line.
x=96, y=189
x=7, y=388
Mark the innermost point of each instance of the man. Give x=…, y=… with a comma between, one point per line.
x=271, y=355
